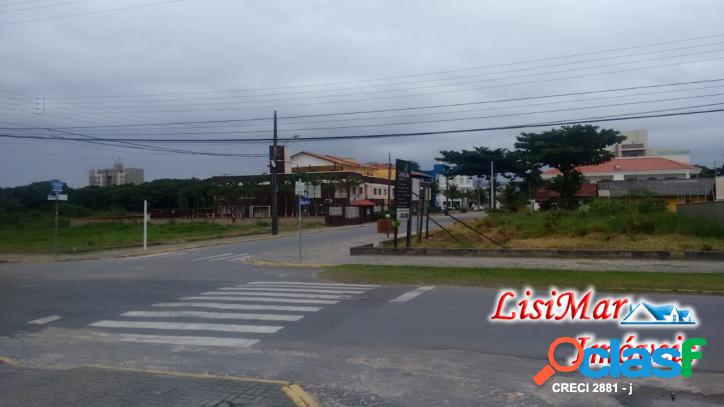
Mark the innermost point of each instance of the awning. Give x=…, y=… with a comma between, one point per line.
x=362, y=202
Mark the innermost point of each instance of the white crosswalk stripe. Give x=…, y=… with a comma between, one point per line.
x=212, y=315
x=261, y=299
x=248, y=307
x=189, y=326
x=212, y=257
x=238, y=258
x=288, y=295
x=292, y=290
x=214, y=311
x=181, y=340
x=305, y=284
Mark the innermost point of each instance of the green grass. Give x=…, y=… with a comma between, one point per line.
x=521, y=277
x=636, y=224
x=34, y=234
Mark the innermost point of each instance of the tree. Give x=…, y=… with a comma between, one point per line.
x=566, y=149
x=513, y=198
x=707, y=172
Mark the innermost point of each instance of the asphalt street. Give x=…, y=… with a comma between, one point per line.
x=209, y=310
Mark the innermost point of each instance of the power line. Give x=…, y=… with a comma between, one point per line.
x=355, y=126
x=386, y=86
x=67, y=3
x=400, y=109
x=630, y=116
x=548, y=80
x=89, y=13
x=398, y=96
x=422, y=74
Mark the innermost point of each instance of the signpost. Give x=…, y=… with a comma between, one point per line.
x=56, y=187
x=300, y=192
x=403, y=196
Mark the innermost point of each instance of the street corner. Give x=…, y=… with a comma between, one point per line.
x=100, y=385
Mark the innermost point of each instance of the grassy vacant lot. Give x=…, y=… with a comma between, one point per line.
x=34, y=233
x=705, y=283
x=641, y=223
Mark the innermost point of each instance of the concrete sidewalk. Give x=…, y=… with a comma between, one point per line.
x=111, y=387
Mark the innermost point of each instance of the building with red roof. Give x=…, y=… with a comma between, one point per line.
x=633, y=168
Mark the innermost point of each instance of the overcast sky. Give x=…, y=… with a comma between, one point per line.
x=73, y=64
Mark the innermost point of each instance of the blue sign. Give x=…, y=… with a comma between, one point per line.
x=303, y=201
x=57, y=186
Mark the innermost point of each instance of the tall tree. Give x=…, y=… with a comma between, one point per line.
x=566, y=149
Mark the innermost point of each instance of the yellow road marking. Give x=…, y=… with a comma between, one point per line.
x=299, y=397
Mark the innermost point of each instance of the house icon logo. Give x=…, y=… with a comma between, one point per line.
x=644, y=313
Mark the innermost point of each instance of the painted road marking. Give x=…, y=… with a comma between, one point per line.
x=212, y=315
x=312, y=284
x=218, y=305
x=42, y=321
x=412, y=294
x=212, y=257
x=181, y=340
x=237, y=258
x=191, y=326
x=225, y=258
x=288, y=295
x=293, y=290
x=145, y=256
x=262, y=299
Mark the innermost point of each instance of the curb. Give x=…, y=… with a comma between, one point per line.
x=281, y=264
x=9, y=361
x=299, y=397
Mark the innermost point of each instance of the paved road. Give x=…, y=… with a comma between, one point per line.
x=208, y=310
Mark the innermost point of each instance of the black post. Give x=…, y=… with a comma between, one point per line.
x=421, y=209
x=427, y=222
x=274, y=185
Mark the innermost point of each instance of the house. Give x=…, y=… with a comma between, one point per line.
x=545, y=198
x=649, y=314
x=673, y=191
x=330, y=181
x=632, y=168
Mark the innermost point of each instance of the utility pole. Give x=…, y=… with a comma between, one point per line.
x=145, y=224
x=389, y=180
x=492, y=187
x=55, y=238
x=274, y=185
x=715, y=174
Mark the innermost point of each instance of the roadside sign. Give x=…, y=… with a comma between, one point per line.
x=57, y=197
x=303, y=201
x=403, y=214
x=299, y=188
x=403, y=184
x=56, y=186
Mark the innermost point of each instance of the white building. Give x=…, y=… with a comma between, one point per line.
x=118, y=175
x=636, y=144
x=464, y=184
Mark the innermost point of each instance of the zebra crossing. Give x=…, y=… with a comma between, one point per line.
x=223, y=257
x=253, y=310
